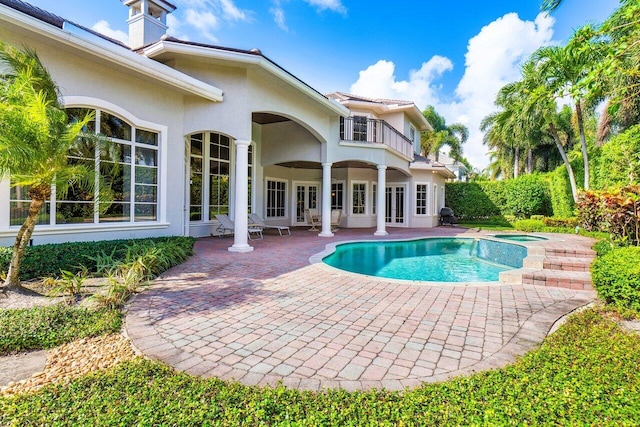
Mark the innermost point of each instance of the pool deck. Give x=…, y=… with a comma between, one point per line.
x=270, y=315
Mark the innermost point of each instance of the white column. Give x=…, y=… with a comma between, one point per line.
x=380, y=204
x=241, y=198
x=326, y=201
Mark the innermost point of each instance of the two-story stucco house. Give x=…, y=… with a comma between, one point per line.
x=204, y=130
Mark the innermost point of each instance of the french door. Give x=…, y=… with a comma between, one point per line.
x=394, y=212
x=307, y=196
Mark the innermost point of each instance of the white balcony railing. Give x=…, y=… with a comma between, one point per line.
x=367, y=131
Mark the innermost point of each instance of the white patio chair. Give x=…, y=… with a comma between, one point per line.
x=313, y=219
x=257, y=220
x=336, y=217
x=226, y=225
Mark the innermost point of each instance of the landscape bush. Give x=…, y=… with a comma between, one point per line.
x=528, y=195
x=47, y=327
x=616, y=276
x=478, y=199
x=620, y=159
x=529, y=225
x=615, y=211
x=560, y=222
x=48, y=260
x=562, y=203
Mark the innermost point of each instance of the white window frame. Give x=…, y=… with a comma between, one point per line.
x=344, y=191
x=366, y=197
x=266, y=197
x=426, y=199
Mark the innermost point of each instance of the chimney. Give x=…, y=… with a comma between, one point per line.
x=147, y=21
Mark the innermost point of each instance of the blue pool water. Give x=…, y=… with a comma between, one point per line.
x=434, y=260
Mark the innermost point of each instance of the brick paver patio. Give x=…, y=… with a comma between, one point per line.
x=270, y=315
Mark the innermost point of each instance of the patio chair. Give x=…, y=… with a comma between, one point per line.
x=255, y=219
x=313, y=219
x=447, y=217
x=226, y=225
x=336, y=217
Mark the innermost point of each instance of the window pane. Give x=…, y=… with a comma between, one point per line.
x=18, y=211
x=83, y=148
x=74, y=213
x=117, y=177
x=336, y=195
x=146, y=156
x=114, y=127
x=146, y=193
x=196, y=144
x=116, y=212
x=146, y=137
x=359, y=195
x=76, y=114
x=113, y=152
x=146, y=212
x=146, y=175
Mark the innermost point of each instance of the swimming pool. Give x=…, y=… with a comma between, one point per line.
x=443, y=259
x=520, y=237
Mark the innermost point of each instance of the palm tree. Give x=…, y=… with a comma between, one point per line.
x=563, y=69
x=550, y=5
x=453, y=135
x=35, y=137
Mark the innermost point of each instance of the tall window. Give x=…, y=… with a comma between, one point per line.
x=128, y=167
x=276, y=198
x=337, y=193
x=209, y=175
x=421, y=199
x=359, y=128
x=359, y=196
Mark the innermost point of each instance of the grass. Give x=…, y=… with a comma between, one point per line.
x=47, y=327
x=584, y=374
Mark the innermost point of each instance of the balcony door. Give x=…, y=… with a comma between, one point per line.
x=307, y=196
x=395, y=205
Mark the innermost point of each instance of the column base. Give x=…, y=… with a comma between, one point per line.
x=380, y=233
x=240, y=248
x=323, y=234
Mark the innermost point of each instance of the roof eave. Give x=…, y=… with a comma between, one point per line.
x=163, y=47
x=116, y=55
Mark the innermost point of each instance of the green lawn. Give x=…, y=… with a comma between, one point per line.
x=585, y=374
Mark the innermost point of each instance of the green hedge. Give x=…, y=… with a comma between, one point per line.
x=562, y=203
x=480, y=199
x=527, y=195
x=48, y=260
x=620, y=160
x=616, y=276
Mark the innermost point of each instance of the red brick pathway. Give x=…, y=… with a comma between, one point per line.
x=270, y=315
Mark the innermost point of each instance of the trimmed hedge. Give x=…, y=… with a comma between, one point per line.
x=528, y=195
x=48, y=260
x=479, y=199
x=620, y=159
x=616, y=276
x=562, y=203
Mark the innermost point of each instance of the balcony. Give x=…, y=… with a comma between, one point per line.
x=373, y=131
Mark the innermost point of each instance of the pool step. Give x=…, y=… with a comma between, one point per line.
x=577, y=280
x=567, y=263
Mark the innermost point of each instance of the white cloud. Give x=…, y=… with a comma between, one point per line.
x=103, y=27
x=205, y=22
x=333, y=5
x=231, y=12
x=492, y=60
x=279, y=17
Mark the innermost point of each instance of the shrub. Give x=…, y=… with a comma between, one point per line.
x=620, y=159
x=480, y=199
x=616, y=212
x=47, y=327
x=560, y=222
x=616, y=277
x=529, y=225
x=49, y=260
x=562, y=203
x=528, y=195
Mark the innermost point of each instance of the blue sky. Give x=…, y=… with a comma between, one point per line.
x=454, y=55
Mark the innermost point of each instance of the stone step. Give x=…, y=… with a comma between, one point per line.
x=575, y=252
x=577, y=280
x=566, y=263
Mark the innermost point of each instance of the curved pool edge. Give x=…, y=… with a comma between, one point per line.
x=509, y=279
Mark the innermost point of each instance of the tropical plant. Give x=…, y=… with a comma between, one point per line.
x=35, y=138
x=453, y=135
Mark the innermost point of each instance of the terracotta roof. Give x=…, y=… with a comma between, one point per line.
x=52, y=19
x=376, y=100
